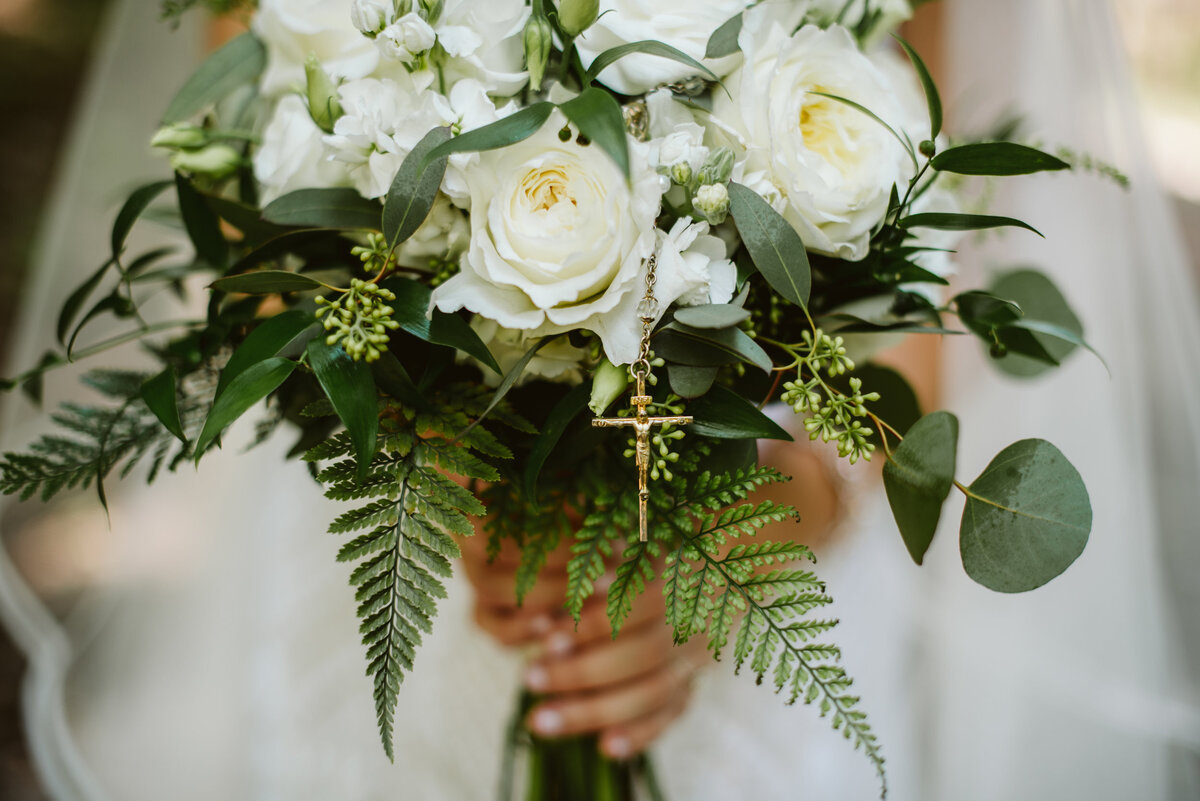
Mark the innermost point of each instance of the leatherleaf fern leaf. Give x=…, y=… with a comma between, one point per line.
x=407, y=513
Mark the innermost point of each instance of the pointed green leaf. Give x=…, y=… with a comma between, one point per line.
x=239, y=62
x=774, y=245
x=350, y=387
x=501, y=133
x=411, y=307
x=724, y=414
x=731, y=342
x=963, y=222
x=712, y=315
x=137, y=203
x=202, y=224
x=649, y=47
x=70, y=309
x=1027, y=518
x=932, y=98
x=340, y=208
x=265, y=341
x=254, y=384
x=996, y=158
x=510, y=380
x=267, y=282
x=566, y=410
x=598, y=116
x=1039, y=299
x=414, y=189
x=918, y=478
x=159, y=394
x=724, y=40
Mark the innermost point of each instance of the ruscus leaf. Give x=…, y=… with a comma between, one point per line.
x=932, y=98
x=648, y=47
x=996, y=158
x=350, y=387
x=265, y=341
x=724, y=414
x=159, y=394
x=239, y=62
x=254, y=384
x=963, y=222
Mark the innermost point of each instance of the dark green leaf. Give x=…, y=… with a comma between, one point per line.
x=918, y=478
x=411, y=306
x=70, y=309
x=351, y=389
x=265, y=341
x=202, y=224
x=599, y=118
x=962, y=222
x=115, y=304
x=510, y=381
x=501, y=133
x=142, y=197
x=996, y=158
x=732, y=343
x=983, y=311
x=342, y=208
x=1040, y=300
x=712, y=315
x=266, y=282
x=932, y=98
x=1027, y=518
x=566, y=410
x=392, y=378
x=414, y=189
x=237, y=63
x=724, y=40
x=690, y=382
x=649, y=47
x=724, y=414
x=159, y=394
x=1055, y=333
x=251, y=386
x=776, y=248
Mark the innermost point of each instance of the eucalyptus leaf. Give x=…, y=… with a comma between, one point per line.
x=410, y=309
x=202, y=224
x=254, y=384
x=712, y=315
x=1056, y=332
x=159, y=394
x=340, y=208
x=133, y=207
x=414, y=189
x=239, y=62
x=724, y=414
x=598, y=116
x=724, y=40
x=650, y=47
x=932, y=98
x=963, y=222
x=1027, y=518
x=266, y=340
x=567, y=409
x=266, y=282
x=776, y=248
x=501, y=133
x=918, y=478
x=690, y=382
x=731, y=341
x=996, y=158
x=350, y=387
x=1039, y=299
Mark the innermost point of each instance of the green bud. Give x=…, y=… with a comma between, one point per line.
x=712, y=200
x=214, y=161
x=538, y=38
x=180, y=135
x=432, y=9
x=608, y=382
x=576, y=16
x=681, y=173
x=717, y=167
x=323, y=104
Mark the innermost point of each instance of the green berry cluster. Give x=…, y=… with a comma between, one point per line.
x=360, y=319
x=832, y=415
x=376, y=256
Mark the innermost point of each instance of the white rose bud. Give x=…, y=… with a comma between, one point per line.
x=179, y=135
x=608, y=383
x=576, y=16
x=538, y=37
x=371, y=16
x=322, y=96
x=214, y=161
x=408, y=37
x=712, y=200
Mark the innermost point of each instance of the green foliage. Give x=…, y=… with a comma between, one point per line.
x=173, y=10
x=918, y=476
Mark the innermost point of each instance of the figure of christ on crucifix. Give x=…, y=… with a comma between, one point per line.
x=642, y=424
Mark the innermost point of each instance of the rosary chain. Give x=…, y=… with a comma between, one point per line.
x=647, y=311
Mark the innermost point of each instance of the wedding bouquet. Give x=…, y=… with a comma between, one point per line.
x=445, y=240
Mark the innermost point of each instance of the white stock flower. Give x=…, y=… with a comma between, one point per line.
x=371, y=16
x=292, y=29
x=832, y=167
x=557, y=361
x=407, y=38
x=559, y=239
x=683, y=24
x=293, y=153
x=692, y=267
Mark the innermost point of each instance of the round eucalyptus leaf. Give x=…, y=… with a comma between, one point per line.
x=918, y=478
x=1027, y=518
x=1039, y=299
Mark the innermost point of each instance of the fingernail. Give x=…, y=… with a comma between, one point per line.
x=541, y=624
x=618, y=747
x=536, y=677
x=547, y=721
x=558, y=643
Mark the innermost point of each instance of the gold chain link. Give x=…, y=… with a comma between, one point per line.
x=647, y=311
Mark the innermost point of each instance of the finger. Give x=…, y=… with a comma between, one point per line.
x=585, y=714
x=622, y=742
x=499, y=588
x=638, y=650
x=512, y=628
x=510, y=554
x=595, y=626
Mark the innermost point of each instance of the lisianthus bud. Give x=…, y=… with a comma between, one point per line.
x=608, y=382
x=179, y=135
x=576, y=16
x=371, y=16
x=323, y=104
x=215, y=161
x=538, y=37
x=717, y=167
x=712, y=200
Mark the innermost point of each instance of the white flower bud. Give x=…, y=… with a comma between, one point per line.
x=214, y=161
x=323, y=104
x=371, y=16
x=576, y=16
x=432, y=10
x=712, y=200
x=407, y=38
x=717, y=167
x=608, y=383
x=538, y=37
x=681, y=173
x=179, y=135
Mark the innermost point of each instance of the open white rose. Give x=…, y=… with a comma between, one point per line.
x=293, y=154
x=833, y=166
x=558, y=238
x=683, y=24
x=293, y=29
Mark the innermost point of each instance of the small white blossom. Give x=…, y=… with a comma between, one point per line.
x=371, y=16
x=712, y=200
x=407, y=38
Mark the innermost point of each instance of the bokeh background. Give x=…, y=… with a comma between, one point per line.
x=45, y=47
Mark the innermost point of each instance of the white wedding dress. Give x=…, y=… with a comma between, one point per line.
x=216, y=655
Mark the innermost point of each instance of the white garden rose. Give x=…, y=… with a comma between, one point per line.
x=291, y=30
x=557, y=361
x=692, y=266
x=293, y=154
x=831, y=166
x=559, y=239
x=891, y=14
x=683, y=24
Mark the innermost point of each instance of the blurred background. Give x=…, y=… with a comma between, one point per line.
x=45, y=46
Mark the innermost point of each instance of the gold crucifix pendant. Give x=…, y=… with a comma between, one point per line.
x=642, y=424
